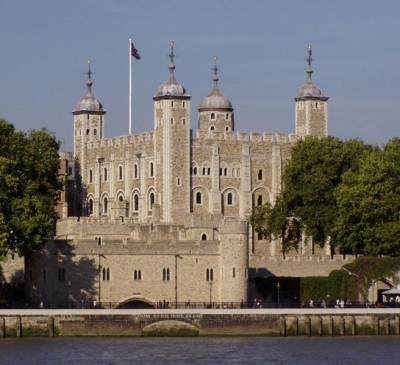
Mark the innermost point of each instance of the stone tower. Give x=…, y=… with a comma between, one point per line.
x=311, y=107
x=215, y=111
x=172, y=147
x=88, y=119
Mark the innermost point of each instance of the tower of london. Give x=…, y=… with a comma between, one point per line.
x=162, y=216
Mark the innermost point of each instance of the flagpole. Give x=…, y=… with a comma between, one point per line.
x=130, y=85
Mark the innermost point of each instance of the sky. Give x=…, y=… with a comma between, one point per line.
x=261, y=46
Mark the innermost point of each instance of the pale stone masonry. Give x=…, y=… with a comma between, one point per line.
x=162, y=216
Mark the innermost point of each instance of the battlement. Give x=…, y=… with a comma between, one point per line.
x=249, y=137
x=134, y=139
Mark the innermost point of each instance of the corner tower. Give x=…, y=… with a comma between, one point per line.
x=172, y=147
x=311, y=106
x=215, y=111
x=88, y=119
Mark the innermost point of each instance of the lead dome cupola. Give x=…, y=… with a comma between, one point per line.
x=89, y=102
x=309, y=89
x=215, y=100
x=171, y=87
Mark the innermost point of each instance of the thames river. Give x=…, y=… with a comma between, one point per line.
x=192, y=351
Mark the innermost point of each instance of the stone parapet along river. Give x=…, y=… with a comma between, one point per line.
x=199, y=322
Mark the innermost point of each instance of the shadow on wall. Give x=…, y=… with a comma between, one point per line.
x=11, y=291
x=60, y=278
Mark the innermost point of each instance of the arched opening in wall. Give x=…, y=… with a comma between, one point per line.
x=90, y=176
x=212, y=128
x=135, y=304
x=105, y=205
x=90, y=206
x=166, y=274
x=152, y=199
x=195, y=171
x=212, y=116
x=136, y=203
x=204, y=237
x=259, y=200
x=105, y=174
x=229, y=199
x=95, y=132
x=151, y=169
x=260, y=175
x=225, y=171
x=227, y=129
x=120, y=173
x=199, y=198
x=87, y=132
x=135, y=171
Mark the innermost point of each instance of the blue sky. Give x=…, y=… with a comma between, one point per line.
x=261, y=46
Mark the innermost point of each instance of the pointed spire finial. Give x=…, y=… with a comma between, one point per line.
x=171, y=56
x=89, y=82
x=309, y=60
x=215, y=70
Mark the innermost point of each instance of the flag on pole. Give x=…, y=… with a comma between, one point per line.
x=134, y=51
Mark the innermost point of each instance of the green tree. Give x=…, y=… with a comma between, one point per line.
x=307, y=202
x=368, y=217
x=29, y=184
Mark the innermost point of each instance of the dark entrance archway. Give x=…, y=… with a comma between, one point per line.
x=135, y=304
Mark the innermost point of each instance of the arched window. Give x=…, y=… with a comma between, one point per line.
x=135, y=171
x=227, y=129
x=225, y=171
x=212, y=128
x=260, y=174
x=227, y=116
x=99, y=241
x=229, y=199
x=194, y=171
x=90, y=206
x=105, y=205
x=90, y=176
x=152, y=199
x=106, y=274
x=204, y=171
x=120, y=198
x=208, y=171
x=136, y=202
x=105, y=174
x=259, y=200
x=209, y=274
x=199, y=197
x=166, y=275
x=120, y=173
x=94, y=131
x=151, y=169
x=87, y=130
x=137, y=275
x=204, y=237
x=212, y=116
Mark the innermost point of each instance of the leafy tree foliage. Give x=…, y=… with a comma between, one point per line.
x=368, y=217
x=307, y=202
x=28, y=187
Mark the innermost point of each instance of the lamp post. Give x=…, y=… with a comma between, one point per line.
x=278, y=287
x=177, y=256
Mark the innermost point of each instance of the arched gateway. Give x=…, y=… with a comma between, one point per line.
x=136, y=302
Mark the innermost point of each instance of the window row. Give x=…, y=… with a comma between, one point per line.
x=227, y=199
x=136, y=174
x=135, y=203
x=213, y=116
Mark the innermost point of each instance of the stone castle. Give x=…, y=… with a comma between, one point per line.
x=161, y=216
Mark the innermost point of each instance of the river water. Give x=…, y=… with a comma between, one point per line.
x=193, y=351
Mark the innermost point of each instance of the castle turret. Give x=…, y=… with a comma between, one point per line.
x=172, y=147
x=311, y=106
x=88, y=119
x=216, y=111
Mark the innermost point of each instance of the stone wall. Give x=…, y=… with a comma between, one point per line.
x=257, y=322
